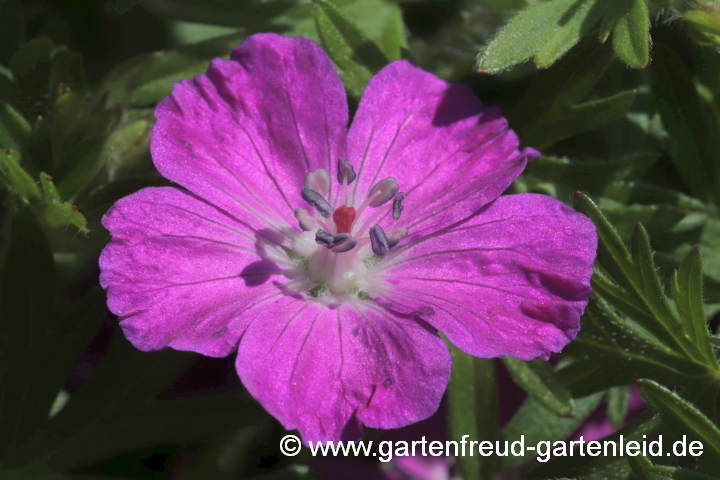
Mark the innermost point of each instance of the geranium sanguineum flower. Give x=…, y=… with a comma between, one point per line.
x=328, y=257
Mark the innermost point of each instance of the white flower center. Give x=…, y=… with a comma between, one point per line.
x=340, y=245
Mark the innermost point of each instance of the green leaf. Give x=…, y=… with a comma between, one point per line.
x=656, y=218
x=30, y=66
x=637, y=275
x=229, y=456
x=536, y=423
x=704, y=25
x=88, y=156
x=683, y=417
x=68, y=123
x=643, y=428
x=380, y=20
x=688, y=297
x=14, y=129
x=618, y=261
x=690, y=141
x=129, y=152
x=161, y=423
x=615, y=351
x=618, y=399
x=58, y=213
x=544, y=30
x=586, y=117
x=472, y=409
x=539, y=380
x=638, y=466
x=630, y=305
x=15, y=177
x=66, y=73
x=123, y=384
x=27, y=296
x=577, y=20
x=631, y=35
x=653, y=291
x=227, y=12
x=551, y=109
x=147, y=78
x=591, y=175
x=615, y=10
x=356, y=56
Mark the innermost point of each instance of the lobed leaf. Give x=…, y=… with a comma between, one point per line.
x=631, y=35
x=683, y=417
x=536, y=423
x=544, y=30
x=688, y=297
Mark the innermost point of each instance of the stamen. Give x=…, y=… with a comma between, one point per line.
x=324, y=238
x=319, y=180
x=382, y=192
x=397, y=206
x=344, y=244
x=396, y=235
x=344, y=217
x=345, y=172
x=379, y=241
x=304, y=220
x=317, y=201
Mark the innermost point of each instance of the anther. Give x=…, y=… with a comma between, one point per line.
x=343, y=244
x=317, y=201
x=304, y=220
x=319, y=180
x=396, y=235
x=397, y=207
x=345, y=172
x=324, y=238
x=382, y=192
x=379, y=241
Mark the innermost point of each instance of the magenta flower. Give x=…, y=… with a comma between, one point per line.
x=329, y=258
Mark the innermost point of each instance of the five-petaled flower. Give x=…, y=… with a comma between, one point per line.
x=329, y=258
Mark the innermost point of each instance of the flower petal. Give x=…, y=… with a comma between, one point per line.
x=512, y=280
x=320, y=369
x=448, y=153
x=179, y=272
x=244, y=135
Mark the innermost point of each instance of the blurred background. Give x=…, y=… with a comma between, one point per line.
x=621, y=96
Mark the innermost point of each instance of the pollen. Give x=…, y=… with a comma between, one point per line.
x=344, y=217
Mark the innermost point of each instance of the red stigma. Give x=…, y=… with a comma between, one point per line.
x=344, y=217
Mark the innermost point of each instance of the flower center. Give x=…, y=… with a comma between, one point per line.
x=348, y=246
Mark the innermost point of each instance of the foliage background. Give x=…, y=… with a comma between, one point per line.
x=622, y=97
